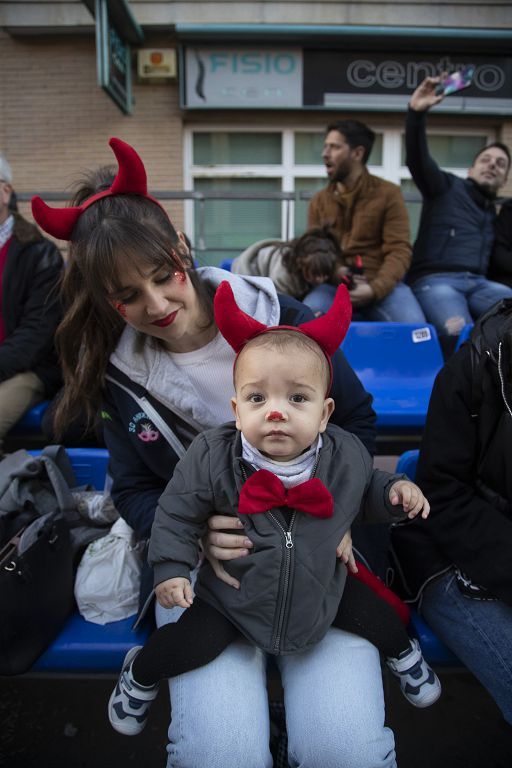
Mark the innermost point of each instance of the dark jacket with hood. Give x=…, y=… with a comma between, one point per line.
x=140, y=468
x=291, y=583
x=30, y=306
x=500, y=267
x=456, y=231
x=465, y=471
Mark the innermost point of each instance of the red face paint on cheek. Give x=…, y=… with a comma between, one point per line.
x=180, y=276
x=121, y=308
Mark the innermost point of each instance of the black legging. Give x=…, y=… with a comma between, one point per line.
x=202, y=633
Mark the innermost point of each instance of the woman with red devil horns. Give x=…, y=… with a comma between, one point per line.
x=139, y=343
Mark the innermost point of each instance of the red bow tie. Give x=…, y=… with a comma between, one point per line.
x=263, y=491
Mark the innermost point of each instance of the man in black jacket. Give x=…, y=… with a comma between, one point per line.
x=460, y=564
x=500, y=267
x=456, y=234
x=30, y=267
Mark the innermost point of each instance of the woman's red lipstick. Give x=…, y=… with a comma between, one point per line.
x=165, y=321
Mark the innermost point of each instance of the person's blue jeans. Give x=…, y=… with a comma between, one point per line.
x=334, y=708
x=399, y=306
x=451, y=300
x=479, y=632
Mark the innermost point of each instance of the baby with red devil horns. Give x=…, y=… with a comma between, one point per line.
x=296, y=483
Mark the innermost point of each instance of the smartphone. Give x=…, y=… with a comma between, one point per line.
x=457, y=81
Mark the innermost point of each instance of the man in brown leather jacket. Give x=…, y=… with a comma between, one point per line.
x=369, y=217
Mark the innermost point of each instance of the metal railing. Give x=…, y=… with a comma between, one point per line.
x=288, y=201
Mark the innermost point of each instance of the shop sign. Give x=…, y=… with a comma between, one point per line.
x=329, y=79
x=252, y=78
x=113, y=54
x=385, y=81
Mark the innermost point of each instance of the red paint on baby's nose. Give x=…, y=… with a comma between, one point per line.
x=275, y=416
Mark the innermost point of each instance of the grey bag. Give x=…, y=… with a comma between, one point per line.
x=34, y=486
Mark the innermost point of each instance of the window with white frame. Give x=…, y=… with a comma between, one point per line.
x=255, y=184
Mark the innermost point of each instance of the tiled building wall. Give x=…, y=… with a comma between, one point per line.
x=55, y=121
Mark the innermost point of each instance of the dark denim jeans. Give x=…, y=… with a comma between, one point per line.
x=479, y=632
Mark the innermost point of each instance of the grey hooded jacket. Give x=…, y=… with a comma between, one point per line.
x=291, y=583
x=265, y=258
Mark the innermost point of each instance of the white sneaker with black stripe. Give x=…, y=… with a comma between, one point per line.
x=419, y=683
x=129, y=703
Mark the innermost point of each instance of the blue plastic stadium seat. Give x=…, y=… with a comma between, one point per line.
x=226, y=264
x=407, y=463
x=464, y=335
x=397, y=363
x=86, y=647
x=433, y=649
x=90, y=466
x=31, y=421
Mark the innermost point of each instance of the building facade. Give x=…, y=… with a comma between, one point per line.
x=227, y=102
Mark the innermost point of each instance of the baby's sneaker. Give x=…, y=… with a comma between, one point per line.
x=418, y=681
x=129, y=703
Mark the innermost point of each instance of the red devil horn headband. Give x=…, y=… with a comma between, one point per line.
x=238, y=328
x=130, y=179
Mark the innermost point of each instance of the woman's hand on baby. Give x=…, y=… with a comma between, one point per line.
x=225, y=540
x=344, y=552
x=410, y=497
x=173, y=592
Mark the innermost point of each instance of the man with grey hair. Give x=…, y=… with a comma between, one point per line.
x=30, y=267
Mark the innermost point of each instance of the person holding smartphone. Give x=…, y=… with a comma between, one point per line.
x=448, y=272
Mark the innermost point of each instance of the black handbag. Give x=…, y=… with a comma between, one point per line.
x=36, y=591
x=41, y=538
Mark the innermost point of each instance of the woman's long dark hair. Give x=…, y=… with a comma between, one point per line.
x=118, y=230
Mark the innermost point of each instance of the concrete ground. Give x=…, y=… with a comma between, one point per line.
x=61, y=723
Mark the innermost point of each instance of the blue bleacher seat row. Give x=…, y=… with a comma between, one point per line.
x=86, y=648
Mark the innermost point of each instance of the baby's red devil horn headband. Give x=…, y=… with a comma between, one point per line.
x=238, y=328
x=130, y=180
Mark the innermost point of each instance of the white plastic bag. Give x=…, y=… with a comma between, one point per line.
x=108, y=577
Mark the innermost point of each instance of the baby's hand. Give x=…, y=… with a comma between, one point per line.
x=344, y=551
x=410, y=496
x=174, y=592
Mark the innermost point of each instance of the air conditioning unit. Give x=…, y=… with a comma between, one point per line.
x=156, y=65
